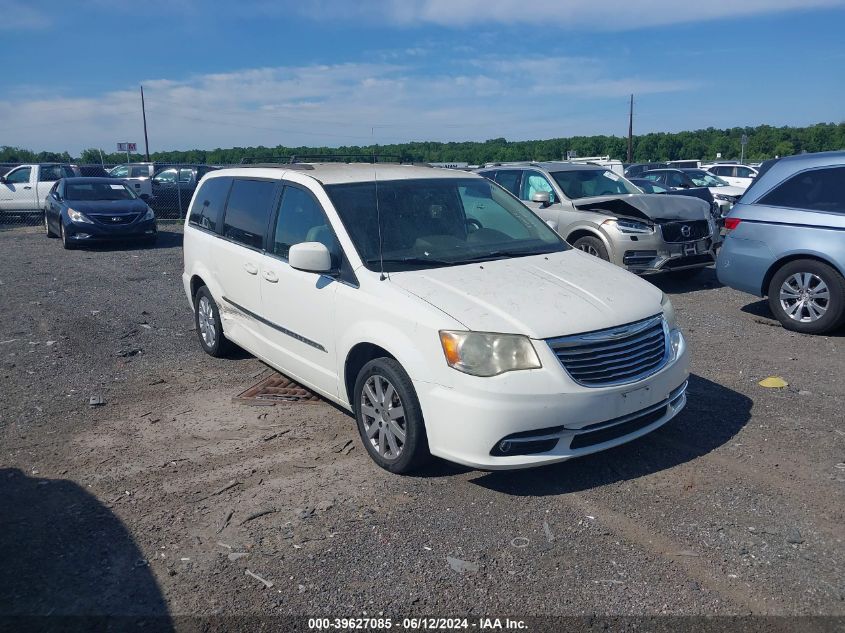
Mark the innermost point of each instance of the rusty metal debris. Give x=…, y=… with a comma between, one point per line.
x=276, y=388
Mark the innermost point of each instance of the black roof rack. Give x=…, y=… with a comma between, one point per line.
x=297, y=166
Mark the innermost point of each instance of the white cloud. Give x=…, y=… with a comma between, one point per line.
x=594, y=15
x=342, y=104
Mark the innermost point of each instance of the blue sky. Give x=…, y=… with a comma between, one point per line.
x=334, y=72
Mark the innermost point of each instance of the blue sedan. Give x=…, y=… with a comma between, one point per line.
x=88, y=210
x=786, y=240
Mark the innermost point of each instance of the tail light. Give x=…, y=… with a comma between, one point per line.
x=731, y=224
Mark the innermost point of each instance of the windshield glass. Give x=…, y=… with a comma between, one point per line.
x=427, y=223
x=702, y=178
x=583, y=183
x=94, y=191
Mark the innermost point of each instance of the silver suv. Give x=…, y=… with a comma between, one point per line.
x=602, y=213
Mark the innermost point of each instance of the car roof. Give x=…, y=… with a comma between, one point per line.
x=341, y=173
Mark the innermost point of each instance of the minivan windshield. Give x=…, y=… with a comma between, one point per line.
x=584, y=183
x=433, y=222
x=94, y=191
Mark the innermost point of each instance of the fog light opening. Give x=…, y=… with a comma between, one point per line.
x=505, y=446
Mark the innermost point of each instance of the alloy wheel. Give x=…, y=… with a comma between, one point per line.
x=205, y=320
x=804, y=297
x=383, y=417
x=589, y=249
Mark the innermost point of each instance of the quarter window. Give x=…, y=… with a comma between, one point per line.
x=816, y=190
x=301, y=219
x=248, y=211
x=209, y=202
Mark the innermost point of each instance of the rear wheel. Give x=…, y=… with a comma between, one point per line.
x=592, y=246
x=808, y=296
x=209, y=327
x=389, y=417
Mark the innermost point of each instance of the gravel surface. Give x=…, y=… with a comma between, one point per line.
x=162, y=498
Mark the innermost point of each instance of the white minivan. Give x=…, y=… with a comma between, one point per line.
x=448, y=317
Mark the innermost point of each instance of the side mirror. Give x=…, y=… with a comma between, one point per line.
x=543, y=197
x=3, y=180
x=311, y=257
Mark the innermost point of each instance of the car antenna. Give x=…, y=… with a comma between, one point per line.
x=382, y=277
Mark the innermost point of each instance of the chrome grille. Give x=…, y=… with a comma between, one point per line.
x=614, y=356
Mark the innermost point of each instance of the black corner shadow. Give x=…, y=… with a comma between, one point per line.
x=713, y=415
x=165, y=240
x=704, y=280
x=67, y=563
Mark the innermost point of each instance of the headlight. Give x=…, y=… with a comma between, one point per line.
x=484, y=354
x=668, y=312
x=76, y=216
x=631, y=226
x=149, y=215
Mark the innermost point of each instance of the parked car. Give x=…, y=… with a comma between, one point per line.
x=735, y=175
x=724, y=194
x=24, y=189
x=603, y=214
x=174, y=186
x=89, y=171
x=786, y=241
x=638, y=169
x=138, y=176
x=88, y=210
x=434, y=305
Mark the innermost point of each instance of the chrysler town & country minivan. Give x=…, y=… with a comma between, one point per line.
x=446, y=315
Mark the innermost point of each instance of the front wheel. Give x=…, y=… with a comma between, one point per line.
x=592, y=246
x=808, y=296
x=389, y=417
x=66, y=243
x=50, y=232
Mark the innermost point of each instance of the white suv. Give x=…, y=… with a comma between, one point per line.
x=434, y=305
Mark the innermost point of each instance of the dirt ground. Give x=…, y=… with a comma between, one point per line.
x=161, y=499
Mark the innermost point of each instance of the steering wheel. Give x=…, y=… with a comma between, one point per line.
x=474, y=224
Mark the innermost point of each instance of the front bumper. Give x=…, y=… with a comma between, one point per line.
x=668, y=256
x=468, y=422
x=80, y=232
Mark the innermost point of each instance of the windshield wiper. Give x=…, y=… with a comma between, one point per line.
x=500, y=255
x=415, y=261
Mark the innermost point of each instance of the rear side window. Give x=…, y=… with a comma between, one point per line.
x=248, y=211
x=209, y=202
x=49, y=173
x=815, y=190
x=139, y=171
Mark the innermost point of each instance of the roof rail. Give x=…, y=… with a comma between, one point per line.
x=296, y=166
x=348, y=158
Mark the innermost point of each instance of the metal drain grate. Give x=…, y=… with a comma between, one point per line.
x=276, y=388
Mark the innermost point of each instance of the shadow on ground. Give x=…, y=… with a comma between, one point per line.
x=68, y=563
x=166, y=239
x=713, y=415
x=704, y=280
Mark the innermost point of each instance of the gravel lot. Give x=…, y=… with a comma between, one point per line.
x=143, y=505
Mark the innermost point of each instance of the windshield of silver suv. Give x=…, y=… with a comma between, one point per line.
x=429, y=223
x=701, y=178
x=585, y=183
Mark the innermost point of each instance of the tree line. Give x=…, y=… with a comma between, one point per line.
x=764, y=142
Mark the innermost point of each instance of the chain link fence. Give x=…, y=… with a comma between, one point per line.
x=166, y=188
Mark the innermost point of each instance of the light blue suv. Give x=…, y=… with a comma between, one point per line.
x=786, y=240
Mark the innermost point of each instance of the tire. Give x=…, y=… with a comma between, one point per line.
x=208, y=325
x=50, y=232
x=683, y=275
x=66, y=244
x=373, y=416
x=593, y=246
x=808, y=296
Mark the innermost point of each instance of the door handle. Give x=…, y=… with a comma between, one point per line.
x=252, y=269
x=270, y=276
x=27, y=187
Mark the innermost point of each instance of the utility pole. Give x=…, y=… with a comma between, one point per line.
x=631, y=131
x=144, y=114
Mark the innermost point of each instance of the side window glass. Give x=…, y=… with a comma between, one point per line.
x=49, y=173
x=139, y=171
x=166, y=176
x=19, y=176
x=509, y=179
x=483, y=212
x=185, y=175
x=534, y=182
x=120, y=172
x=675, y=179
x=248, y=211
x=209, y=202
x=743, y=172
x=301, y=219
x=816, y=190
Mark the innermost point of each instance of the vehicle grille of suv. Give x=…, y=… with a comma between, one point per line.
x=114, y=219
x=615, y=356
x=675, y=231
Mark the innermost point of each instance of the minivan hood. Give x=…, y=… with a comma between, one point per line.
x=646, y=206
x=541, y=296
